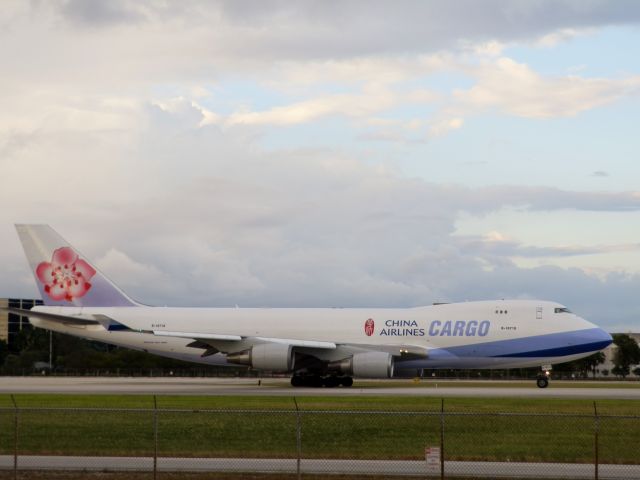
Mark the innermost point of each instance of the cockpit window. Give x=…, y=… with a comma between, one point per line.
x=562, y=310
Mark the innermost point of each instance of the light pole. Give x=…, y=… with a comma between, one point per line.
x=50, y=350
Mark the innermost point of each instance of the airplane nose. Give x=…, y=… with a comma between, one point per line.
x=598, y=338
x=604, y=337
x=594, y=338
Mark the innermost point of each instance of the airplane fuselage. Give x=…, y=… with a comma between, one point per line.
x=486, y=334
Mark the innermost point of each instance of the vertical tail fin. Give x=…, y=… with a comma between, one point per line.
x=62, y=274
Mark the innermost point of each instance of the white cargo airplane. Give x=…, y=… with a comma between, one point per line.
x=319, y=346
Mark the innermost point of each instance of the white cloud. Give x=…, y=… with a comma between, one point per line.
x=560, y=36
x=131, y=275
x=492, y=48
x=283, y=30
x=515, y=89
x=366, y=104
x=496, y=244
x=443, y=127
x=502, y=85
x=96, y=56
x=375, y=70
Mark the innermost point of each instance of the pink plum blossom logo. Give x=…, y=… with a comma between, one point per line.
x=369, y=326
x=66, y=277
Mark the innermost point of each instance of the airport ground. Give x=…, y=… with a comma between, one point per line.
x=503, y=422
x=193, y=425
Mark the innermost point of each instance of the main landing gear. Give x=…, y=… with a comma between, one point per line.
x=317, y=381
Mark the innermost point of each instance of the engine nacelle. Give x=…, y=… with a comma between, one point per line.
x=367, y=364
x=265, y=356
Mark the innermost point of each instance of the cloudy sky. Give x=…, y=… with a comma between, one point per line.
x=325, y=153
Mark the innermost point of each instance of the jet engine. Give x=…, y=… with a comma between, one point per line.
x=367, y=364
x=265, y=356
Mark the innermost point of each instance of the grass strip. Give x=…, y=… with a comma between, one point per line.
x=490, y=429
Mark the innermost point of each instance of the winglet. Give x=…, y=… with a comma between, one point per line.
x=63, y=276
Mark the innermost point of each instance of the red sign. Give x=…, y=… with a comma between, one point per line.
x=369, y=326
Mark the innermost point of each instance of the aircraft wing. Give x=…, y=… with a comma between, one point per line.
x=229, y=343
x=402, y=350
x=225, y=343
x=209, y=337
x=204, y=337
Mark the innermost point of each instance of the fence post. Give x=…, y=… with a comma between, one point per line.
x=442, y=439
x=595, y=439
x=155, y=438
x=298, y=440
x=15, y=437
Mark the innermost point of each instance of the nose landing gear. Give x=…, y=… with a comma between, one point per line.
x=542, y=381
x=543, y=377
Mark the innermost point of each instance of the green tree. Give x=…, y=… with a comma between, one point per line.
x=30, y=338
x=620, y=371
x=592, y=361
x=583, y=365
x=626, y=354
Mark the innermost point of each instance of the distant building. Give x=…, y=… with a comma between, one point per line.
x=608, y=353
x=10, y=323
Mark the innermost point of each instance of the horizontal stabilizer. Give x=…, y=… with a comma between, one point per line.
x=52, y=317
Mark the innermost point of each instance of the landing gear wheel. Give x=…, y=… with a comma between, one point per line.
x=346, y=381
x=297, y=381
x=331, y=382
x=542, y=382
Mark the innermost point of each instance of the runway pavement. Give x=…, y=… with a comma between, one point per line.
x=323, y=466
x=280, y=387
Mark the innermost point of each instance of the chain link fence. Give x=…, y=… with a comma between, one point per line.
x=70, y=443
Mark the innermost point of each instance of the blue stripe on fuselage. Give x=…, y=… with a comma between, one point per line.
x=561, y=351
x=550, y=345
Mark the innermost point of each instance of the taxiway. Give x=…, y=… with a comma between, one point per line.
x=280, y=387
